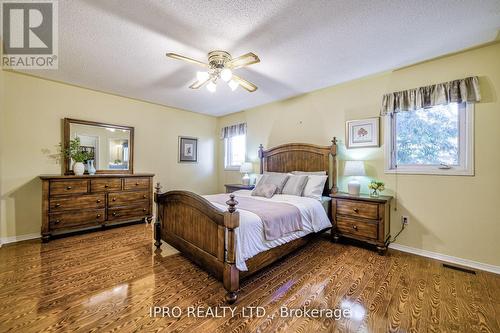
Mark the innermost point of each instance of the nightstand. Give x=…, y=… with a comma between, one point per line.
x=363, y=218
x=235, y=187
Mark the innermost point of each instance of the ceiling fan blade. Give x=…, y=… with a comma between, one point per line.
x=198, y=84
x=245, y=84
x=244, y=60
x=190, y=60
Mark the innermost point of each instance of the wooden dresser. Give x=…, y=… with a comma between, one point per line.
x=363, y=218
x=72, y=203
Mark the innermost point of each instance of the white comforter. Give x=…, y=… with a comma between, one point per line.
x=250, y=239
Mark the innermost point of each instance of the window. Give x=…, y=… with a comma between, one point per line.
x=235, y=151
x=435, y=140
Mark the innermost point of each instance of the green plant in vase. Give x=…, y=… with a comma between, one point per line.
x=376, y=187
x=75, y=152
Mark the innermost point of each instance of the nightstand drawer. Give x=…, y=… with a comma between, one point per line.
x=358, y=227
x=357, y=209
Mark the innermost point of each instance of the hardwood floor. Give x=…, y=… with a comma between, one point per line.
x=109, y=280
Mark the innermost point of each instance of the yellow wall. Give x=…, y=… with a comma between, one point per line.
x=31, y=129
x=452, y=215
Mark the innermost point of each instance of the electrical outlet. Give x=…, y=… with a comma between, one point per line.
x=405, y=220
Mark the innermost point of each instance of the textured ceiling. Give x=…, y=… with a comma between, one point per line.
x=119, y=46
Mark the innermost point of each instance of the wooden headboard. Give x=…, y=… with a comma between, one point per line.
x=302, y=157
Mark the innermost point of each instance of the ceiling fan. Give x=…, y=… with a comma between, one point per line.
x=220, y=66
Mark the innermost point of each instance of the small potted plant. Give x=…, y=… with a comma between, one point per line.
x=376, y=187
x=75, y=152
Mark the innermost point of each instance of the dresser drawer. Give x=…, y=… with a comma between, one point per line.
x=76, y=186
x=116, y=199
x=357, y=209
x=136, y=183
x=81, y=219
x=125, y=213
x=106, y=184
x=92, y=201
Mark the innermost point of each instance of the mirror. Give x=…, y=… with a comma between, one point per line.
x=111, y=146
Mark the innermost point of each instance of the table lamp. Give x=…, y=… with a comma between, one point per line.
x=354, y=169
x=245, y=168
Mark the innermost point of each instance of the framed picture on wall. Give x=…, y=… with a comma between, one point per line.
x=188, y=149
x=362, y=133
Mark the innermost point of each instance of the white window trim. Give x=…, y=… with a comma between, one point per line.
x=231, y=167
x=466, y=167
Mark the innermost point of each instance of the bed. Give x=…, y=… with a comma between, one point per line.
x=207, y=232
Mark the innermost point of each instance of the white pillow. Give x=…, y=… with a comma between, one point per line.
x=314, y=186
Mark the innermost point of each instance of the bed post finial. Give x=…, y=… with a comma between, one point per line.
x=261, y=157
x=333, y=152
x=157, y=225
x=231, y=203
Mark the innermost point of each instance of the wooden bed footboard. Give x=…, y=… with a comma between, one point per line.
x=203, y=233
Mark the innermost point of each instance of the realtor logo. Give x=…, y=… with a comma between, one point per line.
x=29, y=34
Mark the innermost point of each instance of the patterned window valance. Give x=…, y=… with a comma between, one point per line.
x=233, y=130
x=457, y=91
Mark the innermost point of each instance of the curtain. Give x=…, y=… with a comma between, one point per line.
x=233, y=130
x=457, y=91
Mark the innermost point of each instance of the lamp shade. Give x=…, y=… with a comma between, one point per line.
x=246, y=167
x=354, y=168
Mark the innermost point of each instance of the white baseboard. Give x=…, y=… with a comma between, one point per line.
x=14, y=239
x=447, y=258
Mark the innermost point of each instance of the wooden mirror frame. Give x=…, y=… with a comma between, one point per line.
x=67, y=124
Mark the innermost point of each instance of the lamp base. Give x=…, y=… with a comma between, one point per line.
x=353, y=188
x=246, y=179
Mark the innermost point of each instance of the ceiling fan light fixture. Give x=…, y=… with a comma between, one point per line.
x=226, y=74
x=211, y=86
x=220, y=66
x=233, y=85
x=202, y=76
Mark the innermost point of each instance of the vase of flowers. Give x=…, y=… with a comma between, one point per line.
x=375, y=188
x=75, y=152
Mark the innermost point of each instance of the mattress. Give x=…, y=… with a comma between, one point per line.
x=250, y=239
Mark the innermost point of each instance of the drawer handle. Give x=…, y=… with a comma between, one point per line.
x=98, y=215
x=58, y=205
x=136, y=184
x=355, y=227
x=56, y=222
x=144, y=196
x=144, y=209
x=114, y=199
x=355, y=210
x=68, y=187
x=115, y=214
x=98, y=200
x=106, y=186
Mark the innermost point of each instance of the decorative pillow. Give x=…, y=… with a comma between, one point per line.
x=278, y=179
x=314, y=187
x=295, y=185
x=312, y=173
x=258, y=178
x=264, y=190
